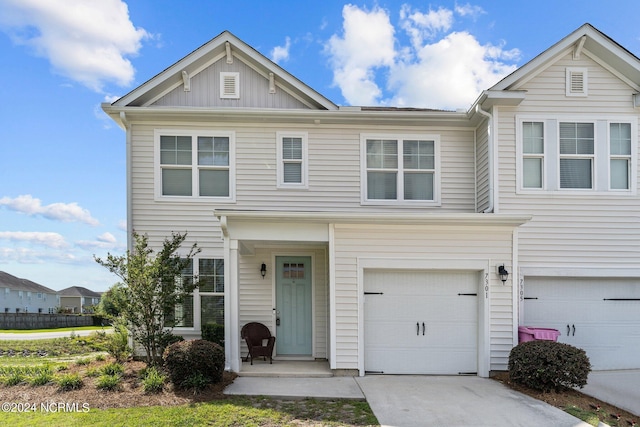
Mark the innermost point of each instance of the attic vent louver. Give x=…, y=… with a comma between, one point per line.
x=230, y=85
x=576, y=82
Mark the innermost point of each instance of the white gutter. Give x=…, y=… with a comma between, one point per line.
x=490, y=147
x=127, y=128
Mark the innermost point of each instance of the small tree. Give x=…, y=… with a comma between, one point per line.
x=112, y=301
x=151, y=289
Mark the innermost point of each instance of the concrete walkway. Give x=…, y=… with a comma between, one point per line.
x=419, y=400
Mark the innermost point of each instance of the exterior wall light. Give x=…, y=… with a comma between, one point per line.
x=503, y=273
x=263, y=270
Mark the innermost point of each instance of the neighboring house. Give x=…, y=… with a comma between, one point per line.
x=373, y=237
x=77, y=299
x=24, y=296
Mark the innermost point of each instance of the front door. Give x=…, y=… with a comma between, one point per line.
x=293, y=306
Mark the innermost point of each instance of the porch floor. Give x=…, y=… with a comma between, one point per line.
x=286, y=368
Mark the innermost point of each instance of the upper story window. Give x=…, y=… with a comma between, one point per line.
x=556, y=154
x=194, y=164
x=400, y=169
x=292, y=160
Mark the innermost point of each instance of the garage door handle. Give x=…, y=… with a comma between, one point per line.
x=568, y=330
x=418, y=328
x=423, y=328
x=574, y=330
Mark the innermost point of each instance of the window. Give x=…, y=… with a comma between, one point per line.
x=206, y=304
x=620, y=155
x=195, y=165
x=576, y=154
x=400, y=169
x=292, y=160
x=39, y=295
x=532, y=154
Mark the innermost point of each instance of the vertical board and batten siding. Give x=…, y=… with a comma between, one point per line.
x=568, y=230
x=205, y=90
x=482, y=167
x=493, y=244
x=256, y=294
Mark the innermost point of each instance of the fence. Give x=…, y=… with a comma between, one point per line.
x=42, y=321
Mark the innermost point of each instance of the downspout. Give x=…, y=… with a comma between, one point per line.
x=127, y=126
x=490, y=165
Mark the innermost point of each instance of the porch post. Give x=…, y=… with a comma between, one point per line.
x=234, y=306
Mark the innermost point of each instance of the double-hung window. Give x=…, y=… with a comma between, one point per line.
x=400, y=169
x=195, y=164
x=620, y=155
x=576, y=155
x=562, y=153
x=292, y=160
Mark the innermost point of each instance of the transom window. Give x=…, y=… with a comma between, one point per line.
x=581, y=155
x=195, y=164
x=400, y=169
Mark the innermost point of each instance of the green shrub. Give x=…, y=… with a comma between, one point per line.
x=114, y=368
x=108, y=382
x=93, y=372
x=186, y=358
x=14, y=378
x=83, y=361
x=100, y=358
x=117, y=342
x=68, y=382
x=548, y=365
x=153, y=380
x=195, y=381
x=41, y=376
x=214, y=333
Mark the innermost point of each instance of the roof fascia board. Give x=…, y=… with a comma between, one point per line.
x=611, y=69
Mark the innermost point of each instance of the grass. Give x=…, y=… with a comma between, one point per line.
x=10, y=349
x=237, y=411
x=69, y=329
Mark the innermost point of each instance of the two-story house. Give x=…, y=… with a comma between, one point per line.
x=77, y=299
x=24, y=296
x=397, y=240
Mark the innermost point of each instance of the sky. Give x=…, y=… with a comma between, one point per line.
x=62, y=160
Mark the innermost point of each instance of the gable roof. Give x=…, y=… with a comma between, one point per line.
x=15, y=283
x=585, y=40
x=220, y=46
x=78, y=291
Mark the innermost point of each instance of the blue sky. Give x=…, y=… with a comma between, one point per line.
x=62, y=161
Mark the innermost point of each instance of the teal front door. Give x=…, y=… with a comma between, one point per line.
x=293, y=306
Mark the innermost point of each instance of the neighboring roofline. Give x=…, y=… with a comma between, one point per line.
x=205, y=49
x=19, y=284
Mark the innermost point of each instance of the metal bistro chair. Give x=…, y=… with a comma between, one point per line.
x=259, y=340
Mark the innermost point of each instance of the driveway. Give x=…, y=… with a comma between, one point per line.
x=620, y=388
x=456, y=401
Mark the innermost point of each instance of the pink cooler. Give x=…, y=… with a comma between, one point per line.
x=528, y=333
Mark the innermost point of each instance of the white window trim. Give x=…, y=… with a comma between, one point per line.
x=594, y=157
x=399, y=202
x=601, y=156
x=194, y=165
x=305, y=160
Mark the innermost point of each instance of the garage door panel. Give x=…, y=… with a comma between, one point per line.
x=587, y=315
x=401, y=302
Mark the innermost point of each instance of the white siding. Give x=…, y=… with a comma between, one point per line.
x=422, y=243
x=568, y=230
x=482, y=167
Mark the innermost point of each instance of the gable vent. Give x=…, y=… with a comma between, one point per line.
x=576, y=82
x=230, y=85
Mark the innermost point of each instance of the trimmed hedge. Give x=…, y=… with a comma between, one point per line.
x=214, y=333
x=548, y=365
x=185, y=359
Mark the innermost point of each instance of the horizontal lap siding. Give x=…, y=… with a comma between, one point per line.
x=590, y=230
x=482, y=168
x=419, y=242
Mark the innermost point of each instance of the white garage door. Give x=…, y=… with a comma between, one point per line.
x=418, y=322
x=599, y=315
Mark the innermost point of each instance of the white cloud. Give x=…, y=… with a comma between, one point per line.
x=281, y=53
x=49, y=239
x=104, y=241
x=65, y=212
x=86, y=41
x=32, y=256
x=122, y=225
x=367, y=43
x=438, y=68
